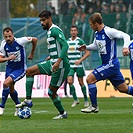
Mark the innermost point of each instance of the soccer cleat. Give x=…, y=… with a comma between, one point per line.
x=90, y=109
x=26, y=102
x=75, y=103
x=86, y=104
x=16, y=112
x=60, y=116
x=1, y=111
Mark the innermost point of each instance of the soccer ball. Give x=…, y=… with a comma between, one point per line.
x=24, y=113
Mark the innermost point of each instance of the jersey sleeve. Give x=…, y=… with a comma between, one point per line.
x=113, y=33
x=2, y=51
x=58, y=34
x=92, y=46
x=81, y=42
x=24, y=40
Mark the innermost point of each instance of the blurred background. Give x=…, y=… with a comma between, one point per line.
x=22, y=16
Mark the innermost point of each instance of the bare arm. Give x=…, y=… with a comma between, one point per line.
x=34, y=43
x=87, y=53
x=4, y=59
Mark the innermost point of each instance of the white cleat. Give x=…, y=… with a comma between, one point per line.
x=26, y=102
x=1, y=111
x=90, y=109
x=75, y=103
x=86, y=104
x=60, y=116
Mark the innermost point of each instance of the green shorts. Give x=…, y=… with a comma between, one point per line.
x=80, y=72
x=57, y=77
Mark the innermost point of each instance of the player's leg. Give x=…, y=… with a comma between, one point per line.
x=70, y=80
x=6, y=91
x=83, y=89
x=14, y=96
x=92, y=78
x=15, y=76
x=57, y=78
x=41, y=68
x=5, y=94
x=30, y=72
x=80, y=74
x=119, y=82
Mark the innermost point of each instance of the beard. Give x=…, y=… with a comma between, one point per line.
x=45, y=27
x=9, y=41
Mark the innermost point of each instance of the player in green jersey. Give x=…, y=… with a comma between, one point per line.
x=76, y=65
x=57, y=66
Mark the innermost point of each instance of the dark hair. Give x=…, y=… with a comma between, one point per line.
x=45, y=14
x=74, y=26
x=96, y=17
x=7, y=29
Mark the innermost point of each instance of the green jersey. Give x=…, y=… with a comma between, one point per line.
x=73, y=53
x=57, y=45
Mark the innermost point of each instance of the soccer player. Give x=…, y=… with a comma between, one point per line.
x=105, y=43
x=57, y=66
x=76, y=65
x=12, y=51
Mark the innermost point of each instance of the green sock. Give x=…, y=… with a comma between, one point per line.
x=83, y=88
x=29, y=85
x=58, y=104
x=72, y=92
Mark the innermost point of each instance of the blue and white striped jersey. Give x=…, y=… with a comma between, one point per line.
x=17, y=48
x=105, y=43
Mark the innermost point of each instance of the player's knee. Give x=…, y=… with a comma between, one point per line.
x=28, y=73
x=5, y=84
x=69, y=82
x=88, y=81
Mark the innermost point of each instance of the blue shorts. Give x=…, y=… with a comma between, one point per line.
x=111, y=72
x=15, y=74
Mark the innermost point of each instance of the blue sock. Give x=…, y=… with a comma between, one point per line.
x=93, y=94
x=14, y=97
x=5, y=94
x=130, y=90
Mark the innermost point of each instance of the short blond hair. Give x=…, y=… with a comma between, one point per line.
x=96, y=17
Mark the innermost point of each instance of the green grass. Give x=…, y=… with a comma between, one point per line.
x=115, y=116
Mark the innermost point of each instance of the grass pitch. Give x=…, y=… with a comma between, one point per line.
x=115, y=116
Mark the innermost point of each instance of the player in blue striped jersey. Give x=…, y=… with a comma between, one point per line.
x=12, y=51
x=105, y=43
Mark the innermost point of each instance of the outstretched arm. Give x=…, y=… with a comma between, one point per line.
x=91, y=47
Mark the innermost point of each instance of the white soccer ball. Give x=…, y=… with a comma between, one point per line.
x=24, y=113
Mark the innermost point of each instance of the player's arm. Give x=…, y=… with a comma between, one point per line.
x=4, y=59
x=90, y=47
x=61, y=39
x=34, y=43
x=113, y=33
x=86, y=54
